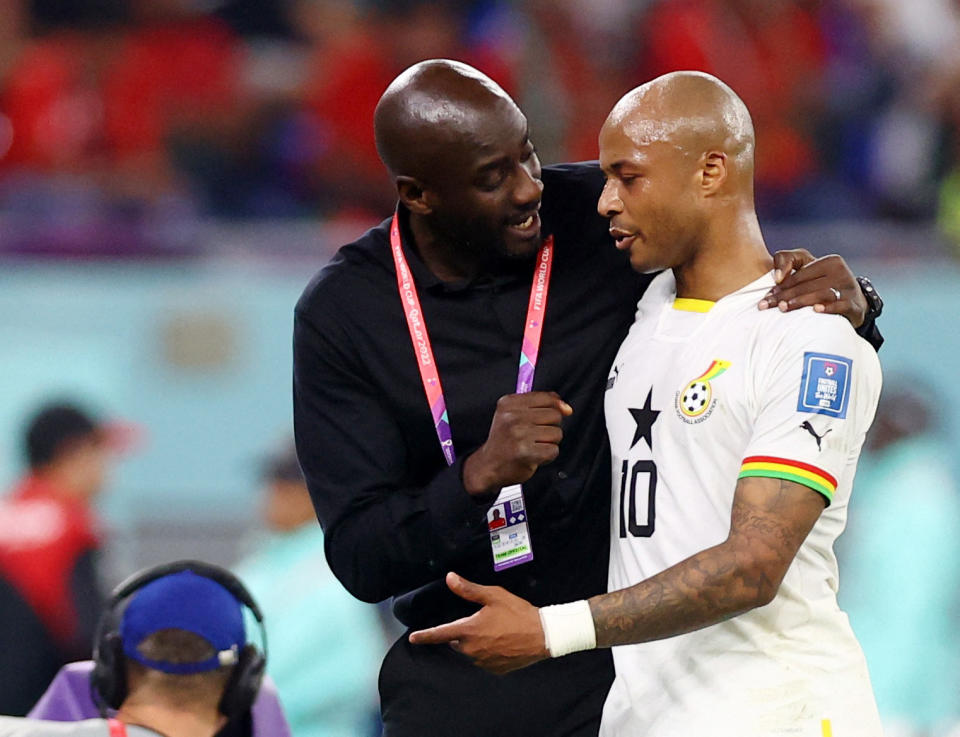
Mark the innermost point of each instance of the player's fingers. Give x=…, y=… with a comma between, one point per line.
x=565, y=408
x=813, y=272
x=468, y=590
x=832, y=268
x=785, y=262
x=550, y=400
x=818, y=287
x=839, y=307
x=444, y=633
x=824, y=297
x=544, y=416
x=545, y=453
x=547, y=434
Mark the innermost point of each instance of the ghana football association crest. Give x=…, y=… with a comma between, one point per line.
x=695, y=402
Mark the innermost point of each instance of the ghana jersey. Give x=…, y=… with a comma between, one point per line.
x=700, y=394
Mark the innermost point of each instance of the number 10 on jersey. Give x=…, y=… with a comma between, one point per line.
x=638, y=491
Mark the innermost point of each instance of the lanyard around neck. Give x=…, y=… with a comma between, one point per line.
x=420, y=339
x=117, y=728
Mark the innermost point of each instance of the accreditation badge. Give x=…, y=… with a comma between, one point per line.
x=509, y=533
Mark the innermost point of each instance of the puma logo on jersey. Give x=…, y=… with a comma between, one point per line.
x=809, y=428
x=611, y=380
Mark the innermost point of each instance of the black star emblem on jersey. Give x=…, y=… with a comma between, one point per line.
x=644, y=417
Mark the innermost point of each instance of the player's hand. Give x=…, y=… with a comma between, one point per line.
x=825, y=283
x=524, y=435
x=503, y=636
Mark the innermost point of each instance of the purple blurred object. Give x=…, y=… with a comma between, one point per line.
x=68, y=699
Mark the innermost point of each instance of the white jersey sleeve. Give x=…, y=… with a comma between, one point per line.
x=816, y=393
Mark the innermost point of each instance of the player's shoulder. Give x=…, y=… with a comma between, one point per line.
x=817, y=339
x=343, y=278
x=806, y=326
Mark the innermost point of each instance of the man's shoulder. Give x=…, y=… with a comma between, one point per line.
x=805, y=325
x=352, y=265
x=805, y=332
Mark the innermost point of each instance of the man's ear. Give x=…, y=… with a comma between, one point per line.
x=714, y=172
x=413, y=195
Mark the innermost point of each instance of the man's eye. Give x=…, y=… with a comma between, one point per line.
x=528, y=152
x=491, y=182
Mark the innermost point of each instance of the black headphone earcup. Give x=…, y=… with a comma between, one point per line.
x=244, y=683
x=109, y=675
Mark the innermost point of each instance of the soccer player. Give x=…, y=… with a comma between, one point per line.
x=734, y=435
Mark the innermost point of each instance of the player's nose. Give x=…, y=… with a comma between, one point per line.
x=609, y=203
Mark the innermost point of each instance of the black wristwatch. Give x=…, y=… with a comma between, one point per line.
x=874, y=302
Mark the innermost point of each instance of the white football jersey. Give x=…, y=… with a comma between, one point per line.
x=700, y=394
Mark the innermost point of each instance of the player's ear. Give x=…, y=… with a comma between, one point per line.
x=713, y=173
x=413, y=195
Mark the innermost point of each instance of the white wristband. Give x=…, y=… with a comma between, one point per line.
x=568, y=628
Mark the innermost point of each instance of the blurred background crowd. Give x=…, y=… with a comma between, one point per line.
x=140, y=116
x=172, y=172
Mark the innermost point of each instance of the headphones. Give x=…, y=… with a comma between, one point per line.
x=108, y=679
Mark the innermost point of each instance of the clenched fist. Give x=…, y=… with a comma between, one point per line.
x=524, y=435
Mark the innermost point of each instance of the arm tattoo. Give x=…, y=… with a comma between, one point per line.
x=769, y=521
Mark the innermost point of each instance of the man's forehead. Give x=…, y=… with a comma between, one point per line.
x=618, y=146
x=489, y=131
x=641, y=136
x=644, y=126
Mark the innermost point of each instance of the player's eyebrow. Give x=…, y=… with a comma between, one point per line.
x=502, y=161
x=615, y=167
x=493, y=165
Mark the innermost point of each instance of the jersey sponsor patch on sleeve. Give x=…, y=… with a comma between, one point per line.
x=825, y=385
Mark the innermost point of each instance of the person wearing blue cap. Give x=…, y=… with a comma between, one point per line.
x=178, y=665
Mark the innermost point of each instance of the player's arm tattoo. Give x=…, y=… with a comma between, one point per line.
x=770, y=520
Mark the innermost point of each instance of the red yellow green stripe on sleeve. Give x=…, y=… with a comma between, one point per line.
x=783, y=468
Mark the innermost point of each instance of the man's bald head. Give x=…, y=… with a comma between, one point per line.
x=693, y=111
x=678, y=155
x=430, y=110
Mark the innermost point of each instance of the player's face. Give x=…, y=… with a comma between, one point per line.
x=486, y=198
x=649, y=197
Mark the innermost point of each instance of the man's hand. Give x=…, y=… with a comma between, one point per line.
x=503, y=636
x=826, y=283
x=524, y=435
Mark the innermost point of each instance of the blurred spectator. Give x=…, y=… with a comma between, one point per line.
x=123, y=120
x=901, y=559
x=573, y=72
x=348, y=69
x=772, y=53
x=917, y=47
x=49, y=544
x=325, y=646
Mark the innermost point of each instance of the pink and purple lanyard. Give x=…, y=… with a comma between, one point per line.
x=532, y=331
x=507, y=518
